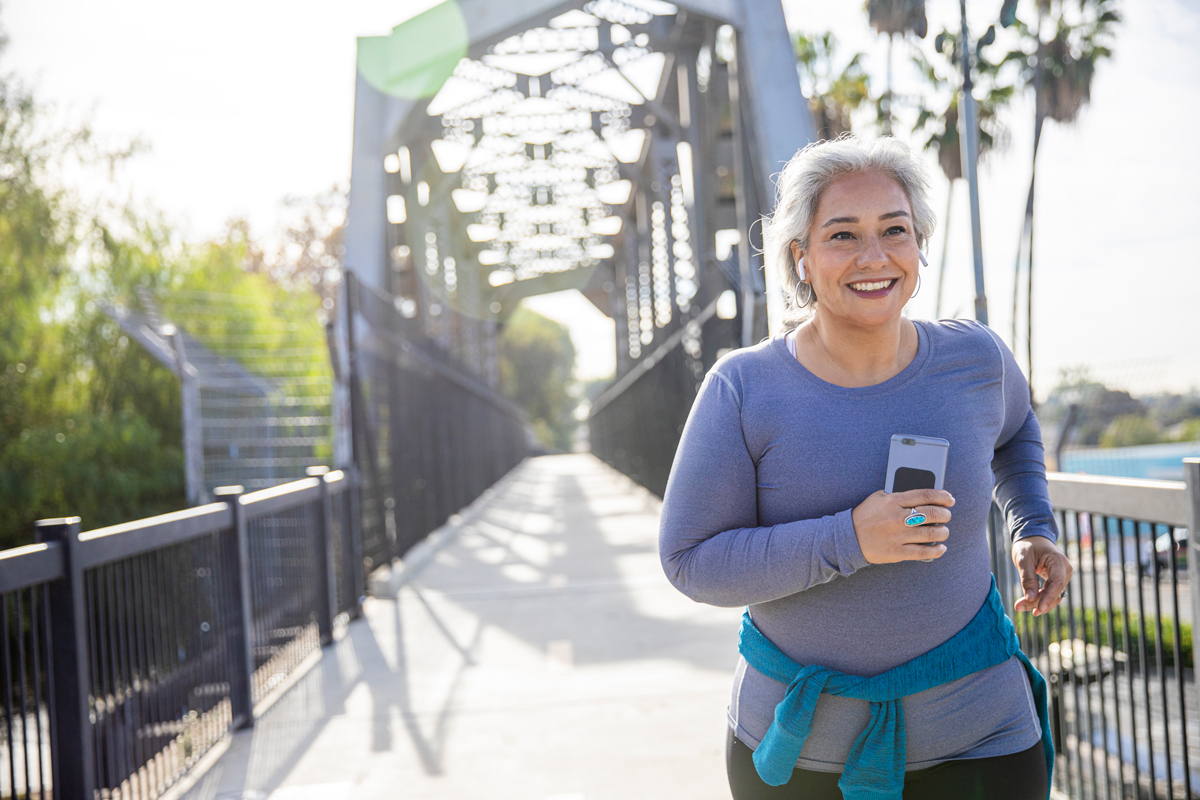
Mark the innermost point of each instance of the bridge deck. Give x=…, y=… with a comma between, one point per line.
x=539, y=654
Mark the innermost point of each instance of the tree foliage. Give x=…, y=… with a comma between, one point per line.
x=1109, y=417
x=1129, y=430
x=90, y=424
x=833, y=94
x=938, y=122
x=897, y=17
x=1058, y=57
x=77, y=434
x=1059, y=70
x=536, y=362
x=309, y=256
x=894, y=18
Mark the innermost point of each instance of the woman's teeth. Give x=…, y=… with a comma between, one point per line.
x=873, y=286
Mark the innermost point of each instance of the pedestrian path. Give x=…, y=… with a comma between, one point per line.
x=532, y=651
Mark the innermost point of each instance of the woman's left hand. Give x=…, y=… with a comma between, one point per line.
x=1038, y=556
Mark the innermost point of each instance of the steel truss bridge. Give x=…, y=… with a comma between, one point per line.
x=620, y=147
x=624, y=149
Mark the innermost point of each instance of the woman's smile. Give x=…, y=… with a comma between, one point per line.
x=873, y=289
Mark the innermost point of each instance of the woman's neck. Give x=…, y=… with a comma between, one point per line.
x=852, y=356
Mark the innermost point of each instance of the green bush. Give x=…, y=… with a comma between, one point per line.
x=90, y=423
x=1189, y=431
x=536, y=361
x=1131, y=430
x=107, y=469
x=1060, y=629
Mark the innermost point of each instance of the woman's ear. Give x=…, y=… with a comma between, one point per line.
x=798, y=257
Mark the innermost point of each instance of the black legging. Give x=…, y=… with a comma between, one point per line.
x=1020, y=776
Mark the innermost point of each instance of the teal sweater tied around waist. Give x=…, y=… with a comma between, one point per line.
x=875, y=767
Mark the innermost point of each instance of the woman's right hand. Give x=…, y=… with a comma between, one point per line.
x=885, y=539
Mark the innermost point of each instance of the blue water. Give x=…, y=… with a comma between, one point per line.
x=1163, y=462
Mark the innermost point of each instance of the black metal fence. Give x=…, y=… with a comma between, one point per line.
x=636, y=423
x=429, y=436
x=1117, y=652
x=27, y=743
x=130, y=651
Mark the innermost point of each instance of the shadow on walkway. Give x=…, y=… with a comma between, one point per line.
x=541, y=654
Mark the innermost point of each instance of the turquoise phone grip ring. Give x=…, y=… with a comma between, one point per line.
x=914, y=518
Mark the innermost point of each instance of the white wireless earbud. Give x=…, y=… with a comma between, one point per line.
x=800, y=266
x=924, y=263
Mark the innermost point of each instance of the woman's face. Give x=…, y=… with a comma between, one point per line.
x=862, y=256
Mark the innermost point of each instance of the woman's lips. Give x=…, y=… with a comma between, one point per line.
x=874, y=289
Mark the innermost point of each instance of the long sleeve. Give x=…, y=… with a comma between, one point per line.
x=1019, y=462
x=711, y=545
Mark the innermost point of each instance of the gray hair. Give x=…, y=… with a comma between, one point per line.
x=805, y=179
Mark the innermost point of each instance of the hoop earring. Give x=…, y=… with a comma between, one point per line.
x=921, y=255
x=796, y=296
x=914, y=294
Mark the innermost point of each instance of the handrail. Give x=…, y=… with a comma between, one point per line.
x=1130, y=498
x=647, y=363
x=438, y=365
x=278, y=498
x=116, y=542
x=22, y=567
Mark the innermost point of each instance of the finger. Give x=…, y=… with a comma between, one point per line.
x=922, y=552
x=924, y=497
x=938, y=515
x=1057, y=570
x=927, y=534
x=1027, y=569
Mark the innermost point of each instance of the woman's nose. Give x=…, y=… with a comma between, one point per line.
x=872, y=254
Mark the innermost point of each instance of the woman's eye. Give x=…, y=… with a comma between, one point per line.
x=897, y=229
x=843, y=235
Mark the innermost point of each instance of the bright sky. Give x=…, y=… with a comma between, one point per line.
x=247, y=102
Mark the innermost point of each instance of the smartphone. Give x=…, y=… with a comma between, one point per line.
x=916, y=462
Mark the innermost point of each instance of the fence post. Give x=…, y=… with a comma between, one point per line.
x=241, y=655
x=71, y=722
x=1191, y=473
x=353, y=527
x=327, y=605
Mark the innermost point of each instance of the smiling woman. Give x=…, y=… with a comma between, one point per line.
x=877, y=658
x=803, y=184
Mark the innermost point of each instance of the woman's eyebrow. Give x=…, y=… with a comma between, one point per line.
x=852, y=220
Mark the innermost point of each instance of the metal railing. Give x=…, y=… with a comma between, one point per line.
x=429, y=436
x=1117, y=652
x=129, y=651
x=636, y=423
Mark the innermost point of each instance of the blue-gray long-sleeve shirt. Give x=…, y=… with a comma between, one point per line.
x=758, y=508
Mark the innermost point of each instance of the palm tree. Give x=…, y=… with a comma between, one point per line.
x=943, y=125
x=1060, y=72
x=895, y=17
x=832, y=97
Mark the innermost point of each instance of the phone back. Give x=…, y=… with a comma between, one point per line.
x=916, y=462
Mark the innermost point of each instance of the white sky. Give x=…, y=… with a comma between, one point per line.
x=247, y=102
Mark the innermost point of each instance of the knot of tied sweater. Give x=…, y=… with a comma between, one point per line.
x=874, y=769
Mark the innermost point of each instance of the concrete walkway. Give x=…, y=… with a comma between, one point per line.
x=539, y=654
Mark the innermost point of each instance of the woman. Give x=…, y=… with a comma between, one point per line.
x=775, y=502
